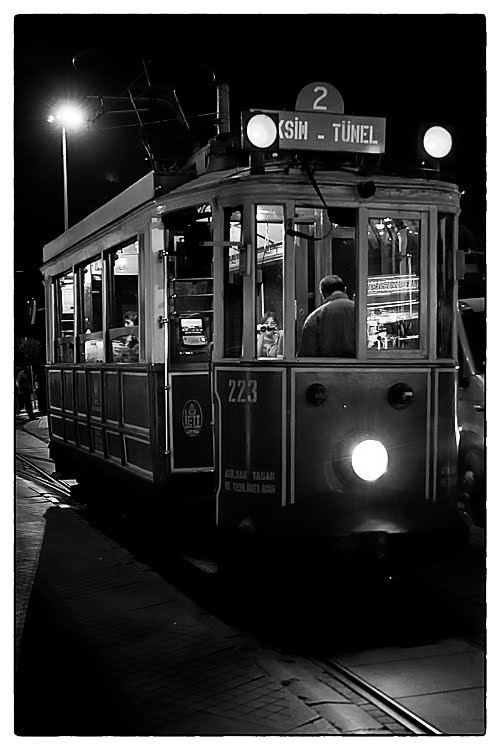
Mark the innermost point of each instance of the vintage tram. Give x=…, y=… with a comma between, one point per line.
x=158, y=380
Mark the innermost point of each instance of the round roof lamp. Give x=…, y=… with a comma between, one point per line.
x=437, y=142
x=261, y=131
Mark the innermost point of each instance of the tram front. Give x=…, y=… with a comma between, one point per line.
x=350, y=447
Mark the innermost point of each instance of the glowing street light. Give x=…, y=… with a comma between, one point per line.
x=69, y=117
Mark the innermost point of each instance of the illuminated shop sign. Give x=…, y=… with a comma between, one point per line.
x=392, y=284
x=266, y=254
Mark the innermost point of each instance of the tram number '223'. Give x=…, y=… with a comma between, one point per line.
x=242, y=391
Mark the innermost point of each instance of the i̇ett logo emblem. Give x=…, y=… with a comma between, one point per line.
x=192, y=418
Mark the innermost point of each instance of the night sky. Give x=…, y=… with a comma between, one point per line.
x=411, y=69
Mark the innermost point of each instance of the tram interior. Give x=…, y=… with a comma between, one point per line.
x=325, y=243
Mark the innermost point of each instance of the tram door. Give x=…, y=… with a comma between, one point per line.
x=189, y=321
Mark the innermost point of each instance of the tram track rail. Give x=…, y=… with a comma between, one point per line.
x=28, y=469
x=395, y=711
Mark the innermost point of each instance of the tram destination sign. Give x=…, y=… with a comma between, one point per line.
x=323, y=131
x=327, y=131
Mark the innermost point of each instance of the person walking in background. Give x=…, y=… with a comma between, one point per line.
x=330, y=331
x=24, y=391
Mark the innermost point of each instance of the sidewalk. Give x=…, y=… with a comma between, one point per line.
x=37, y=427
x=110, y=647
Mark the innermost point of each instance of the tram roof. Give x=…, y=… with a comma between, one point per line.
x=154, y=186
x=148, y=188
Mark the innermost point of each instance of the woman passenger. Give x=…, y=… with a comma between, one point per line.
x=270, y=337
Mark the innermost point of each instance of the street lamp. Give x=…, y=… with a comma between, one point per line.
x=69, y=117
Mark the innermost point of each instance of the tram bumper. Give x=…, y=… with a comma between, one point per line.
x=361, y=530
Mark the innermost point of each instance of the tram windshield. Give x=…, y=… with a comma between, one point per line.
x=373, y=263
x=325, y=271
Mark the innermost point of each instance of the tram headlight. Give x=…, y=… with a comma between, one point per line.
x=369, y=460
x=437, y=142
x=259, y=131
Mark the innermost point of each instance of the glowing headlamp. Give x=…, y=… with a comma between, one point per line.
x=369, y=460
x=259, y=131
x=437, y=142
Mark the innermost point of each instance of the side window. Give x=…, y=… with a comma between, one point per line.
x=269, y=281
x=123, y=274
x=91, y=338
x=64, y=297
x=393, y=284
x=233, y=284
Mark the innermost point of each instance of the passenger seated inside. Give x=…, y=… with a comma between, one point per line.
x=126, y=348
x=130, y=319
x=269, y=336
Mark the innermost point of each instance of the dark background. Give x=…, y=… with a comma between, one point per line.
x=413, y=70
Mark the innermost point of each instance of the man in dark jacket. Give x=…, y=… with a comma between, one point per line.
x=24, y=391
x=330, y=331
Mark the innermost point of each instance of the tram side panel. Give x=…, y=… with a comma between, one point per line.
x=251, y=435
x=190, y=416
x=106, y=420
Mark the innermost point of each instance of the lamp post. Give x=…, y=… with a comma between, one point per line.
x=69, y=117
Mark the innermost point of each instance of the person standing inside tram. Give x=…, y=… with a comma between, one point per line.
x=330, y=331
x=270, y=337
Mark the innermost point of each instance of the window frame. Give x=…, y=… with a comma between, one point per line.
x=57, y=338
x=94, y=335
x=255, y=254
x=363, y=352
x=321, y=262
x=110, y=332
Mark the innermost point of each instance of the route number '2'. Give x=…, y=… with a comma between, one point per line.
x=323, y=95
x=242, y=391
